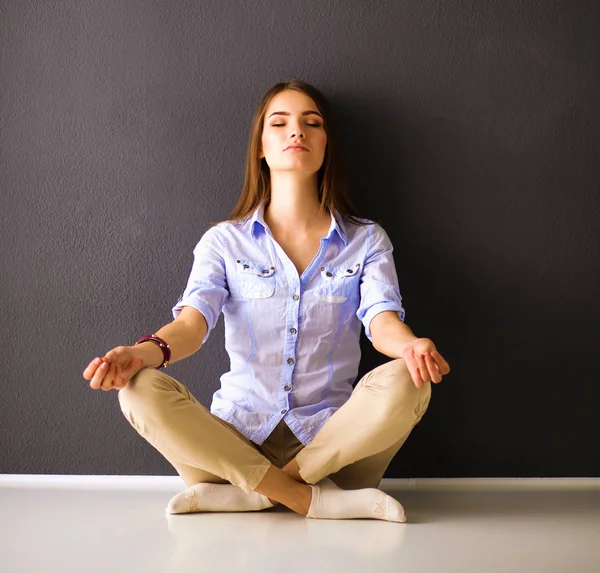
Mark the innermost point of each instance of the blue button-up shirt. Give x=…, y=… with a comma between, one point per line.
x=293, y=341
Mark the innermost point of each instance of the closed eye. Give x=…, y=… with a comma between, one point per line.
x=311, y=124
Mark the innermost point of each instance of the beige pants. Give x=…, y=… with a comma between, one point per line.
x=353, y=448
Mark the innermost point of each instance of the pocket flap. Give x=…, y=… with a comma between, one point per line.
x=254, y=268
x=331, y=273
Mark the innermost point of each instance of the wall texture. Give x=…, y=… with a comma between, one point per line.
x=471, y=130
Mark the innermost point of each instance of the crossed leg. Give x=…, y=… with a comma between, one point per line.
x=201, y=446
x=354, y=445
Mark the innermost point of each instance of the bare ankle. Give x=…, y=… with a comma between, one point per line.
x=293, y=470
x=281, y=488
x=302, y=500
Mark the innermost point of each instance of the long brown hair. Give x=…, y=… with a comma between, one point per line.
x=332, y=179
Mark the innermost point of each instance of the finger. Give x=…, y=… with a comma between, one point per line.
x=109, y=378
x=120, y=380
x=434, y=373
x=442, y=364
x=116, y=381
x=412, y=366
x=99, y=376
x=423, y=368
x=91, y=368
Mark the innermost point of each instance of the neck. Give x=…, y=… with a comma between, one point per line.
x=294, y=205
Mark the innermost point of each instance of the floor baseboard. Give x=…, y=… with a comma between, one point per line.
x=387, y=484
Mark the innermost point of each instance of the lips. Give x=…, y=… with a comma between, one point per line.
x=296, y=147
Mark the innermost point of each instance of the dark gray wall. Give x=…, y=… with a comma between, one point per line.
x=471, y=131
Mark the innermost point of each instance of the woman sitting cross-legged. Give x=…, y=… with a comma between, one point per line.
x=296, y=272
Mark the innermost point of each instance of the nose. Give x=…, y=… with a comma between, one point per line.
x=297, y=131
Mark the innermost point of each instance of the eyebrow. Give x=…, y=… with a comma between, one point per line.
x=308, y=112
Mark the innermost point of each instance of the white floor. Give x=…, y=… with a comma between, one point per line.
x=118, y=524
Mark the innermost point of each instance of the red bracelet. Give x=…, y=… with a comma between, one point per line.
x=166, y=349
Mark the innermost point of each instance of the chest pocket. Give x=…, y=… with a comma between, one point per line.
x=336, y=285
x=255, y=280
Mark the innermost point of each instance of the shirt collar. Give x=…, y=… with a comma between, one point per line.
x=258, y=221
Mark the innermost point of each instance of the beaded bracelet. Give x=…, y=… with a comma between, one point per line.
x=166, y=349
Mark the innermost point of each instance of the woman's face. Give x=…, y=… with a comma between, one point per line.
x=292, y=118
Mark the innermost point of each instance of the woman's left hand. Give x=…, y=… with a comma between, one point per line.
x=424, y=362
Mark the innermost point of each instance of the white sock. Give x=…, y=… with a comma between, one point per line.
x=217, y=497
x=335, y=503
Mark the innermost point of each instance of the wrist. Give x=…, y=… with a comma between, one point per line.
x=150, y=353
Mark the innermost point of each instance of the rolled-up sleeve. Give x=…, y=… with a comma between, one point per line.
x=379, y=290
x=206, y=289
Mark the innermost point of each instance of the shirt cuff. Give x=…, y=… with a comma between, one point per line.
x=376, y=309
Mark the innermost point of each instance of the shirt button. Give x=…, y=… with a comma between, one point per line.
x=290, y=361
x=287, y=388
x=293, y=330
x=283, y=411
x=295, y=297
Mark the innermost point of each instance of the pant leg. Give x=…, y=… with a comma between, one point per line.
x=164, y=412
x=191, y=475
x=369, y=471
x=279, y=448
x=379, y=415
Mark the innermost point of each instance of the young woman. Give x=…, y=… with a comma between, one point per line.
x=296, y=273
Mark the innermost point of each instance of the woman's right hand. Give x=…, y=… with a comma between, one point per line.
x=114, y=370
